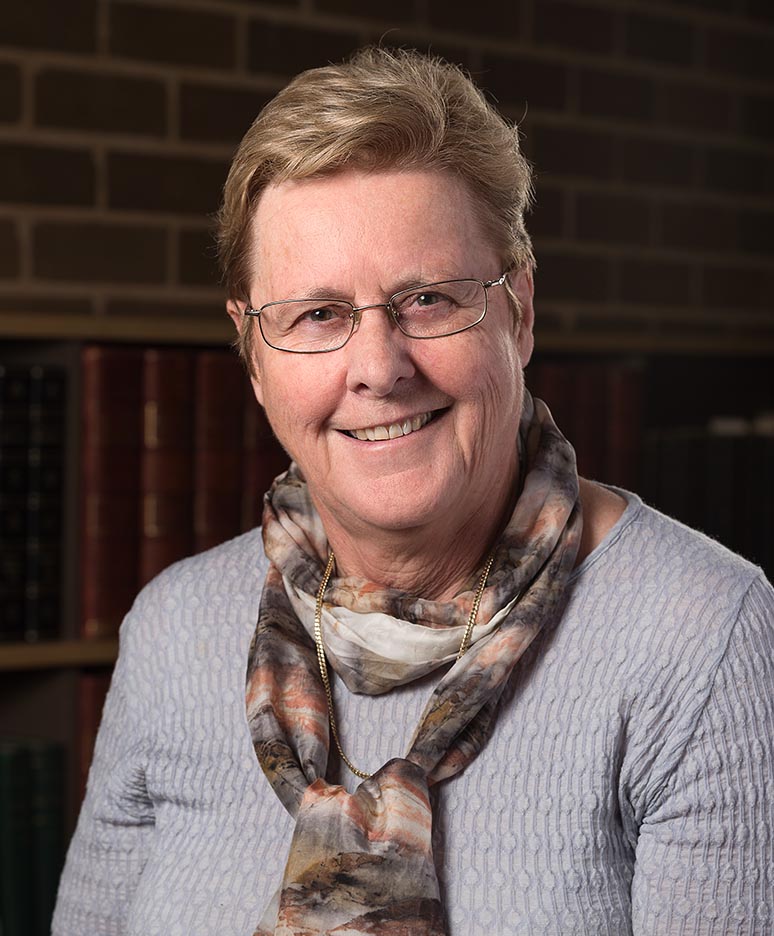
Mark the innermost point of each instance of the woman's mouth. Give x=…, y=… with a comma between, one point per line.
x=392, y=430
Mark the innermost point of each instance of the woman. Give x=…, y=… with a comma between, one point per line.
x=485, y=696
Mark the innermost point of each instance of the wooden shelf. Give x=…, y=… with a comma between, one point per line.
x=164, y=329
x=219, y=331
x=57, y=654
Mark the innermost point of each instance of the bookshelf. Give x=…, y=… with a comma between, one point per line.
x=40, y=677
x=53, y=654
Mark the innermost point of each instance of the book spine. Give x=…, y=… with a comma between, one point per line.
x=47, y=783
x=14, y=430
x=624, y=452
x=263, y=459
x=218, y=433
x=16, y=896
x=92, y=690
x=45, y=485
x=110, y=447
x=166, y=470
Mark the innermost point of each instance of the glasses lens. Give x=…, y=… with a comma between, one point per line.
x=439, y=308
x=306, y=325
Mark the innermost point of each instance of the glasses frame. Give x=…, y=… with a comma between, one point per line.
x=357, y=312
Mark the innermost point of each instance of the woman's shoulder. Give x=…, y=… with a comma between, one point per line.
x=667, y=597
x=218, y=589
x=660, y=553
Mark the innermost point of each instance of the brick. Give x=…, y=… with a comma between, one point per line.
x=574, y=27
x=736, y=171
x=658, y=162
x=574, y=153
x=572, y=277
x=46, y=175
x=104, y=102
x=524, y=82
x=50, y=24
x=287, y=50
x=659, y=39
x=756, y=232
x=10, y=93
x=398, y=10
x=172, y=36
x=399, y=38
x=216, y=113
x=154, y=308
x=165, y=183
x=761, y=9
x=723, y=6
x=612, y=94
x=738, y=287
x=198, y=258
x=613, y=219
x=99, y=253
x=487, y=18
x=751, y=56
x=697, y=107
x=758, y=117
x=547, y=217
x=657, y=282
x=46, y=304
x=9, y=250
x=698, y=226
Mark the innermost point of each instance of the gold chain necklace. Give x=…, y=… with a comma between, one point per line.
x=324, y=666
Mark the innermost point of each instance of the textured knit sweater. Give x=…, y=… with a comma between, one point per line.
x=626, y=788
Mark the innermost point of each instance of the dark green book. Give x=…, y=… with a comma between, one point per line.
x=32, y=779
x=16, y=895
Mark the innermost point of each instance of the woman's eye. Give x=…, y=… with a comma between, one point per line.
x=428, y=298
x=320, y=315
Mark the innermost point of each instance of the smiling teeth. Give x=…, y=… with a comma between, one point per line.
x=393, y=431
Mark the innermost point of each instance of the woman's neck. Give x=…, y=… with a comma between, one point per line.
x=434, y=561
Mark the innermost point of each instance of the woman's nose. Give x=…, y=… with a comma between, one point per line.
x=378, y=353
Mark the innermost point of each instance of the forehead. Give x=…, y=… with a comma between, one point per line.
x=356, y=230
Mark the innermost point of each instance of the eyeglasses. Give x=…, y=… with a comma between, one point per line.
x=435, y=310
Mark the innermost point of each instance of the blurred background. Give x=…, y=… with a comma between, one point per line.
x=127, y=435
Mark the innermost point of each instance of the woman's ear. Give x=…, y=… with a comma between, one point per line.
x=523, y=286
x=242, y=322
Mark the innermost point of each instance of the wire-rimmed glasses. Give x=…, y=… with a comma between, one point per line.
x=315, y=325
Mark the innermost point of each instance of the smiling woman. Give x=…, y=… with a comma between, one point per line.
x=483, y=695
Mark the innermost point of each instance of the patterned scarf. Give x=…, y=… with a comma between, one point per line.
x=362, y=863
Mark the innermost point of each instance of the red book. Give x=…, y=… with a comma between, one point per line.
x=166, y=469
x=92, y=689
x=551, y=382
x=587, y=429
x=218, y=422
x=624, y=425
x=111, y=381
x=264, y=458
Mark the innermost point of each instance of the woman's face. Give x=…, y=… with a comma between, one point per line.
x=361, y=237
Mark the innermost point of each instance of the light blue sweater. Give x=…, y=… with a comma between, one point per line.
x=626, y=789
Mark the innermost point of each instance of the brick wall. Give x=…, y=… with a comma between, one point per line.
x=651, y=125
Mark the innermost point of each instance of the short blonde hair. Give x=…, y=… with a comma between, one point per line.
x=382, y=109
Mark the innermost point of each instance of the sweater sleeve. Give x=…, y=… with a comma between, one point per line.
x=111, y=842
x=705, y=853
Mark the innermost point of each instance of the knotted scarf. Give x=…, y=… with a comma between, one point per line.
x=362, y=863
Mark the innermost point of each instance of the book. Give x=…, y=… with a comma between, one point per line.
x=45, y=489
x=263, y=459
x=111, y=385
x=92, y=689
x=32, y=780
x=218, y=439
x=166, y=469
x=14, y=405
x=15, y=839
